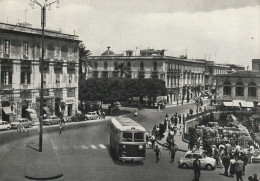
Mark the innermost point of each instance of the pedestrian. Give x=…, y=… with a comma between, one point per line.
x=180, y=130
x=19, y=128
x=228, y=147
x=196, y=167
x=245, y=160
x=183, y=119
x=23, y=129
x=179, y=118
x=172, y=120
x=172, y=153
x=198, y=143
x=232, y=169
x=239, y=164
x=157, y=153
x=226, y=163
x=175, y=121
x=251, y=152
x=60, y=127
x=153, y=141
x=255, y=178
x=166, y=115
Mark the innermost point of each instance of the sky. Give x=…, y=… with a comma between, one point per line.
x=224, y=31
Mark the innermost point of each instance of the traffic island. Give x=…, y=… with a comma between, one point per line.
x=43, y=165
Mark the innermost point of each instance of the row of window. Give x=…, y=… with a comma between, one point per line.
x=239, y=89
x=128, y=66
x=6, y=49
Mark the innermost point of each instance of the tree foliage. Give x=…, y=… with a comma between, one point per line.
x=118, y=89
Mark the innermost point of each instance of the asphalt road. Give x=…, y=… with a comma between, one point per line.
x=84, y=154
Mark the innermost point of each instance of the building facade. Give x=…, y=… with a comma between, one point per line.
x=20, y=57
x=241, y=85
x=184, y=77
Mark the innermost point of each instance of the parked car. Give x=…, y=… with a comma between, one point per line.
x=186, y=161
x=78, y=117
x=23, y=121
x=256, y=156
x=92, y=115
x=4, y=125
x=51, y=120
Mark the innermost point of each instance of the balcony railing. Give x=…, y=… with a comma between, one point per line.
x=154, y=75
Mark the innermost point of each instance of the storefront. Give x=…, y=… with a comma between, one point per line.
x=9, y=107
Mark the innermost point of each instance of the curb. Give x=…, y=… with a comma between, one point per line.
x=43, y=165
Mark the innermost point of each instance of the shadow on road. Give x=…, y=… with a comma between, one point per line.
x=123, y=163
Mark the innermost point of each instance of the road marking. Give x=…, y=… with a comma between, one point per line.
x=102, y=146
x=55, y=147
x=84, y=147
x=93, y=147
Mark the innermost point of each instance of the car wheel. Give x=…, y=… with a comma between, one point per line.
x=184, y=165
x=8, y=128
x=209, y=167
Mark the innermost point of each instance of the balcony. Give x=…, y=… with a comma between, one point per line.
x=6, y=86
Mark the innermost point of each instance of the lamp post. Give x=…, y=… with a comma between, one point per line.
x=43, y=23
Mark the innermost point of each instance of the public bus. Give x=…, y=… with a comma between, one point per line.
x=127, y=139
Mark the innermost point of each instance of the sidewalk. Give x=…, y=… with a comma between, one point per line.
x=182, y=146
x=174, y=103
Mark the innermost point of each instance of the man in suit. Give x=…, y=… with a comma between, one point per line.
x=196, y=167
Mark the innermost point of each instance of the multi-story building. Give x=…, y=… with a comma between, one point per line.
x=240, y=85
x=256, y=64
x=184, y=77
x=20, y=56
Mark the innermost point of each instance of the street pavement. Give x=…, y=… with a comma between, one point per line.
x=83, y=152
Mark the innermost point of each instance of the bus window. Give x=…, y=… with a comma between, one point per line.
x=139, y=137
x=127, y=137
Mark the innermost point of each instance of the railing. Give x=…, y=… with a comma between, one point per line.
x=37, y=31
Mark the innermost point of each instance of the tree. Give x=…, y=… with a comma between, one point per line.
x=193, y=137
x=119, y=89
x=83, y=61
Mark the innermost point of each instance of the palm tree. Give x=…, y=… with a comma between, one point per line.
x=84, y=59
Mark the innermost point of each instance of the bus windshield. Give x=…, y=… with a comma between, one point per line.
x=127, y=137
x=139, y=137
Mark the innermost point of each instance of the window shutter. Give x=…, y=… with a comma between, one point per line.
x=10, y=78
x=28, y=77
x=22, y=77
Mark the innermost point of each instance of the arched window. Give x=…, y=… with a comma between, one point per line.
x=227, y=88
x=141, y=66
x=252, y=89
x=239, y=89
x=155, y=66
x=96, y=65
x=105, y=65
x=115, y=66
x=128, y=68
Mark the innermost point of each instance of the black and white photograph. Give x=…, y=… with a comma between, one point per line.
x=130, y=90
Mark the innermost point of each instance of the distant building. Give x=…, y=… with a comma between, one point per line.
x=240, y=85
x=256, y=64
x=20, y=57
x=184, y=77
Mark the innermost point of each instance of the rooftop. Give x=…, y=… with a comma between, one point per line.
x=243, y=73
x=27, y=29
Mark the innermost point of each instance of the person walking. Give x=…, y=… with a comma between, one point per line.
x=157, y=153
x=153, y=141
x=60, y=127
x=179, y=118
x=183, y=119
x=198, y=144
x=226, y=163
x=245, y=160
x=239, y=164
x=196, y=167
x=172, y=153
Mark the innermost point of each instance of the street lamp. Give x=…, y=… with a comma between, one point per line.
x=43, y=17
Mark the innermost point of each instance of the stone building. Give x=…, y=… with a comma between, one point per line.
x=184, y=77
x=20, y=56
x=240, y=85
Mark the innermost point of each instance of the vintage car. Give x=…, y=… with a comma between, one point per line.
x=256, y=156
x=92, y=115
x=23, y=121
x=186, y=161
x=4, y=125
x=51, y=120
x=78, y=117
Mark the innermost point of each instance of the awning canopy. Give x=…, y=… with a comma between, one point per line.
x=46, y=109
x=7, y=110
x=228, y=104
